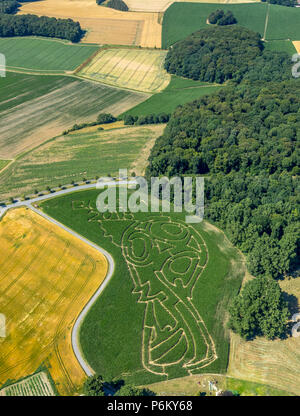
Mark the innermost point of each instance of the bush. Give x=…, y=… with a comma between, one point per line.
x=93, y=386
x=105, y=118
x=99, y=1
x=118, y=5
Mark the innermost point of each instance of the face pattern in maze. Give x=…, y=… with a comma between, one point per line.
x=165, y=258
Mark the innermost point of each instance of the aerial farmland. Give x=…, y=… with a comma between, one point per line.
x=108, y=285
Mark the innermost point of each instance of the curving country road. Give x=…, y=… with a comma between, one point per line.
x=111, y=264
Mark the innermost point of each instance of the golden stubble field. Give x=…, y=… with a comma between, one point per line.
x=276, y=363
x=296, y=43
x=47, y=276
x=103, y=25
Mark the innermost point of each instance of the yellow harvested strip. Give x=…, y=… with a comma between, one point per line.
x=296, y=43
x=136, y=69
x=103, y=25
x=46, y=276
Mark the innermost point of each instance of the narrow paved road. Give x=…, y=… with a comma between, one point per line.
x=111, y=265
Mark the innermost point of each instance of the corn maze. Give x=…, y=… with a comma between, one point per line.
x=165, y=258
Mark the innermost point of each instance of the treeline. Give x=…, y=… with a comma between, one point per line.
x=130, y=120
x=96, y=386
x=260, y=310
x=117, y=5
x=9, y=6
x=31, y=25
x=289, y=3
x=219, y=17
x=219, y=54
x=247, y=139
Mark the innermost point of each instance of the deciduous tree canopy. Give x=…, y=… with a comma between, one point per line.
x=259, y=310
x=219, y=17
x=118, y=5
x=28, y=25
x=229, y=53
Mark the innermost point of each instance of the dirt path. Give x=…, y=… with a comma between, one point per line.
x=266, y=23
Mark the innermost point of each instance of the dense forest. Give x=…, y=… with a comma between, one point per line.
x=27, y=25
x=219, y=17
x=246, y=138
x=218, y=54
x=251, y=128
x=8, y=6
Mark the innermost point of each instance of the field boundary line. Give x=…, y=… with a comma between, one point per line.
x=266, y=22
x=111, y=267
x=8, y=164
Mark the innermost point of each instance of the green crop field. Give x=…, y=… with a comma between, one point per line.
x=178, y=92
x=281, y=46
x=182, y=19
x=37, y=108
x=44, y=55
x=162, y=314
x=136, y=69
x=284, y=23
x=76, y=156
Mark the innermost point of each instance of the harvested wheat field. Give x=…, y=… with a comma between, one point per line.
x=296, y=43
x=148, y=6
x=103, y=25
x=276, y=363
x=136, y=69
x=47, y=276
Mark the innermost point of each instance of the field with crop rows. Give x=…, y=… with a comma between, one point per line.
x=103, y=25
x=32, y=116
x=82, y=154
x=36, y=385
x=136, y=69
x=44, y=55
x=167, y=297
x=47, y=276
x=180, y=20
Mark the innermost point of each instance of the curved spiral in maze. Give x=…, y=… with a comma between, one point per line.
x=174, y=255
